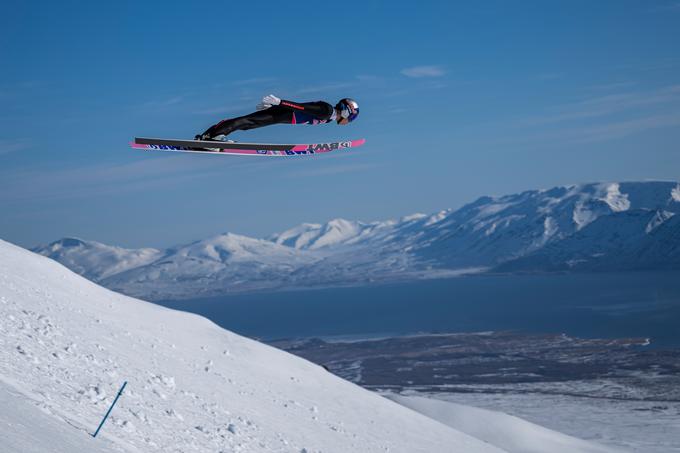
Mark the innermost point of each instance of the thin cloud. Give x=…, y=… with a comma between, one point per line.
x=10, y=146
x=549, y=76
x=326, y=88
x=165, y=169
x=673, y=6
x=333, y=170
x=648, y=66
x=161, y=104
x=367, y=78
x=601, y=106
x=613, y=130
x=436, y=85
x=88, y=181
x=20, y=88
x=395, y=93
x=225, y=108
x=598, y=118
x=612, y=86
x=593, y=133
x=620, y=129
x=254, y=81
x=423, y=71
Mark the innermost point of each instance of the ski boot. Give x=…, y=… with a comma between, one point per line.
x=222, y=138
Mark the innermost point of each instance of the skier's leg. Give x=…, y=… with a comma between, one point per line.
x=274, y=115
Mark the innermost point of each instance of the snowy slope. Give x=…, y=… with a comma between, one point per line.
x=513, y=433
x=66, y=345
x=602, y=226
x=21, y=419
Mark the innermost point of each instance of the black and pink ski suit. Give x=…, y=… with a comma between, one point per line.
x=287, y=112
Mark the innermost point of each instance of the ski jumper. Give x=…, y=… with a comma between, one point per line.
x=285, y=113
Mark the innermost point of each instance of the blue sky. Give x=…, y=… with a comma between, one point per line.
x=458, y=100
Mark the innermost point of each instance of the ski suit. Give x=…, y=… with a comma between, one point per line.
x=287, y=112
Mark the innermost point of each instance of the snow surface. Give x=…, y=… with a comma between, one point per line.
x=659, y=218
x=512, y=433
x=67, y=344
x=616, y=200
x=675, y=193
x=28, y=427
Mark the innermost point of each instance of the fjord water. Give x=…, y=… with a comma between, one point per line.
x=599, y=305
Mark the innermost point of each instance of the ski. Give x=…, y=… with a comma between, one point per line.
x=242, y=149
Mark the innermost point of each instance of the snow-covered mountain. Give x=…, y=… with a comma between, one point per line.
x=311, y=236
x=491, y=231
x=95, y=260
x=67, y=344
x=603, y=226
x=228, y=261
x=636, y=239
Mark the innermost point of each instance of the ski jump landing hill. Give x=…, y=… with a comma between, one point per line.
x=67, y=344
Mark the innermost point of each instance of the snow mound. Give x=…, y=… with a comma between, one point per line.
x=67, y=344
x=512, y=433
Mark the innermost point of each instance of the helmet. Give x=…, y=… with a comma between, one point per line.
x=349, y=109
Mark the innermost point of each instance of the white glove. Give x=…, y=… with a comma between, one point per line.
x=262, y=106
x=271, y=100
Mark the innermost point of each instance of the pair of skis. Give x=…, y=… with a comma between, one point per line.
x=242, y=149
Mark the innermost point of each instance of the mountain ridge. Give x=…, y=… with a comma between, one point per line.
x=564, y=228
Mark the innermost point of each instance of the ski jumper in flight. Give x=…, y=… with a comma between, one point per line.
x=273, y=110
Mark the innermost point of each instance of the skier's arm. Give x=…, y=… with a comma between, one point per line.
x=320, y=109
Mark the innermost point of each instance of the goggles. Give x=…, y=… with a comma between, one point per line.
x=349, y=114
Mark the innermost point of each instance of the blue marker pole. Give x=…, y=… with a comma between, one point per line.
x=109, y=411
